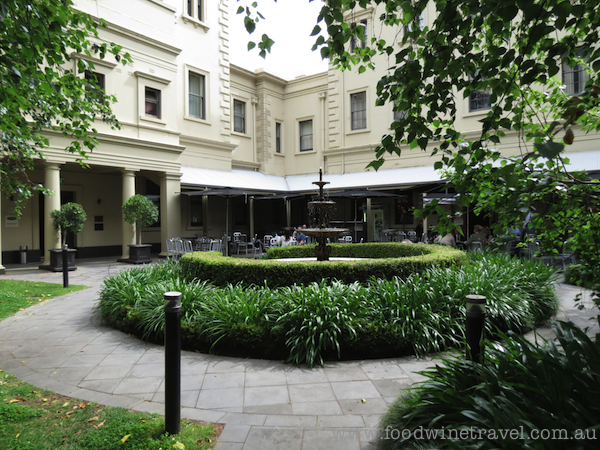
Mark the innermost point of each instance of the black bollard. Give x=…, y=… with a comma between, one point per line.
x=65, y=265
x=475, y=327
x=172, y=362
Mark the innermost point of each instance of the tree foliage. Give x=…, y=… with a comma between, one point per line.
x=68, y=219
x=139, y=211
x=512, y=50
x=42, y=90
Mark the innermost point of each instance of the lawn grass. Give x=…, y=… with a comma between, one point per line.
x=37, y=419
x=17, y=295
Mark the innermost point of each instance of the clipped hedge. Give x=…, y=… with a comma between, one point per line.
x=382, y=260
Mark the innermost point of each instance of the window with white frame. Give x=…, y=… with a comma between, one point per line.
x=359, y=41
x=479, y=100
x=277, y=137
x=195, y=9
x=96, y=84
x=239, y=116
x=196, y=95
x=152, y=102
x=574, y=78
x=306, y=135
x=358, y=110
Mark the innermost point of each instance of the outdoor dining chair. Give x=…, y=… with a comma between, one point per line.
x=476, y=246
x=170, y=248
x=215, y=245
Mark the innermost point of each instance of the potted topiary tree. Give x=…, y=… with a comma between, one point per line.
x=140, y=212
x=68, y=219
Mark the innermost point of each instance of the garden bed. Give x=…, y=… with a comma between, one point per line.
x=307, y=324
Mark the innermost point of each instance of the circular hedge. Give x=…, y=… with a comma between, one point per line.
x=380, y=260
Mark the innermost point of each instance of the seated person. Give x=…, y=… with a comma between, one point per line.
x=515, y=232
x=287, y=238
x=300, y=237
x=448, y=239
x=488, y=234
x=478, y=235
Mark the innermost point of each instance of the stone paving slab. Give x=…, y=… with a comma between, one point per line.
x=61, y=345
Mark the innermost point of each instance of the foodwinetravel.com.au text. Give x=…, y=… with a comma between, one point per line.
x=472, y=433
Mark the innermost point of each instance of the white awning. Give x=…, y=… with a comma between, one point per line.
x=247, y=179
x=588, y=160
x=236, y=178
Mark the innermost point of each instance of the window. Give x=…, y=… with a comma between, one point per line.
x=574, y=78
x=196, y=211
x=354, y=40
x=95, y=84
x=416, y=24
x=194, y=9
x=398, y=114
x=152, y=102
x=239, y=116
x=306, y=135
x=479, y=100
x=196, y=95
x=358, y=111
x=277, y=137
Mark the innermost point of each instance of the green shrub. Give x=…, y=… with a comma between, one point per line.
x=521, y=386
x=389, y=260
x=314, y=319
x=307, y=324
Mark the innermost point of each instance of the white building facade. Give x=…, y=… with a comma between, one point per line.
x=192, y=120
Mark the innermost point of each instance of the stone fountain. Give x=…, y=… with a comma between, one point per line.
x=322, y=232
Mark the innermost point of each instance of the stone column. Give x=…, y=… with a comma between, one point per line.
x=370, y=225
x=252, y=232
x=170, y=209
x=129, y=232
x=51, y=203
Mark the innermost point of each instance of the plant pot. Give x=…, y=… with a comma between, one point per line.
x=56, y=260
x=139, y=254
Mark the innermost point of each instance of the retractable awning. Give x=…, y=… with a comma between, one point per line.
x=251, y=180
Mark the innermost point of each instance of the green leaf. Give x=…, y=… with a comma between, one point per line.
x=549, y=150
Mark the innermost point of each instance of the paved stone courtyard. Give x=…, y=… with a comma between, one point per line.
x=61, y=345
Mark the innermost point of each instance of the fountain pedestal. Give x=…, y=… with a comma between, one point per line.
x=322, y=233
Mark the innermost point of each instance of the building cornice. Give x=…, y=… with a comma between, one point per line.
x=145, y=40
x=95, y=61
x=238, y=164
x=347, y=150
x=207, y=143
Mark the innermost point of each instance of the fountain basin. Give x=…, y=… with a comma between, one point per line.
x=322, y=250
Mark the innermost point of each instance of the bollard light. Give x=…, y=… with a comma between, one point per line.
x=475, y=325
x=65, y=265
x=172, y=362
